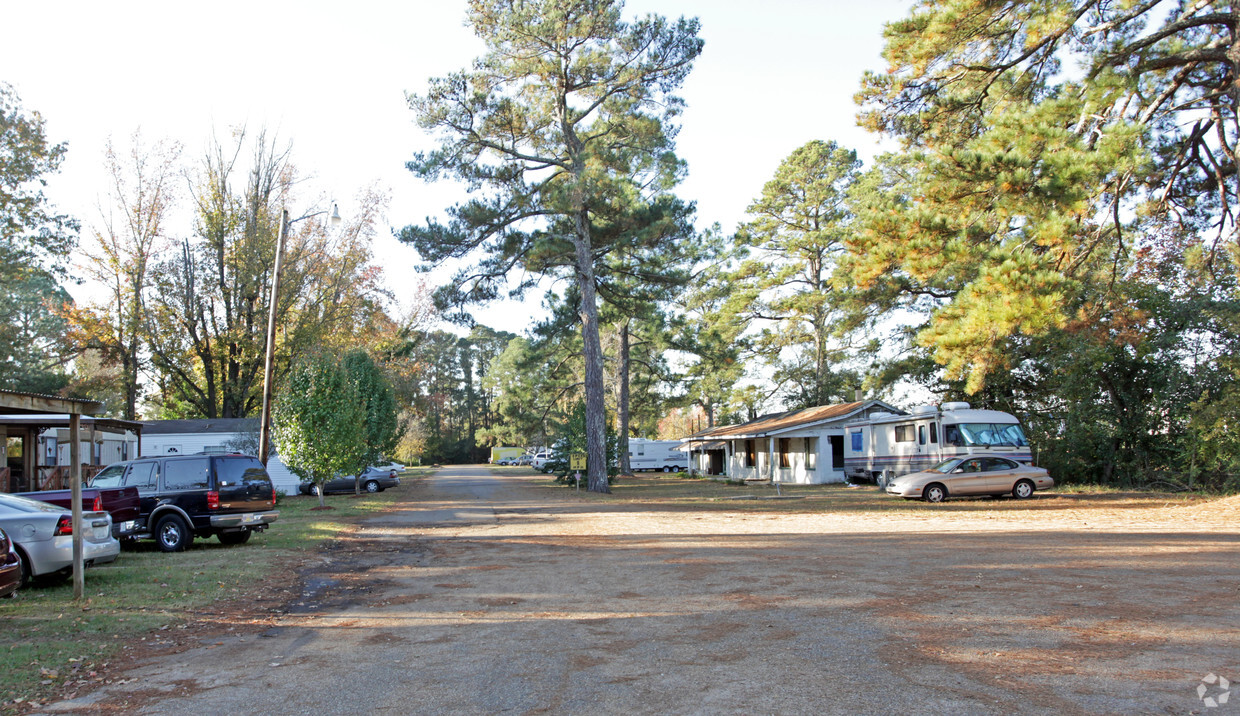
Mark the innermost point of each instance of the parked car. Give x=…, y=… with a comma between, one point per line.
x=43, y=536
x=962, y=476
x=105, y=494
x=507, y=461
x=186, y=496
x=10, y=567
x=524, y=459
x=391, y=466
x=374, y=479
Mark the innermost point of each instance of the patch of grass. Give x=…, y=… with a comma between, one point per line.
x=678, y=492
x=50, y=643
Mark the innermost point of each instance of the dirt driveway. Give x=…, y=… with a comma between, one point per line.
x=485, y=594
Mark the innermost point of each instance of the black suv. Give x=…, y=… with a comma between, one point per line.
x=187, y=496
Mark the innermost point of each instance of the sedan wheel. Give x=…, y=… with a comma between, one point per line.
x=372, y=486
x=316, y=490
x=1023, y=490
x=934, y=492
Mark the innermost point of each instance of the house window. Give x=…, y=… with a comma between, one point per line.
x=904, y=434
x=785, y=460
x=751, y=454
x=811, y=453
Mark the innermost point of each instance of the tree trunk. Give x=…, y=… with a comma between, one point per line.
x=623, y=447
x=596, y=428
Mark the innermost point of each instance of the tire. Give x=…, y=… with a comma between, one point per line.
x=372, y=486
x=25, y=570
x=1023, y=489
x=172, y=534
x=667, y=468
x=934, y=492
x=315, y=490
x=231, y=538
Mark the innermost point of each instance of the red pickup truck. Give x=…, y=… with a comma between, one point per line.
x=120, y=502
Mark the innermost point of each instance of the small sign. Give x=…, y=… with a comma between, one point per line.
x=577, y=461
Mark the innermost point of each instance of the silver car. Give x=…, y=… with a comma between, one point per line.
x=43, y=535
x=972, y=475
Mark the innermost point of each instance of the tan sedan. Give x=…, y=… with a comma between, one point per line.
x=972, y=475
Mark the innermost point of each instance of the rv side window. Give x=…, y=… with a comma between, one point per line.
x=934, y=433
x=951, y=435
x=921, y=434
x=858, y=441
x=904, y=433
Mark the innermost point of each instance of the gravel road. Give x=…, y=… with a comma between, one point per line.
x=488, y=594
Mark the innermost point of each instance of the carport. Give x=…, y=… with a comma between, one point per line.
x=34, y=404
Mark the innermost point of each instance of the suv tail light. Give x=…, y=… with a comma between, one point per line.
x=213, y=500
x=64, y=526
x=97, y=505
x=273, y=495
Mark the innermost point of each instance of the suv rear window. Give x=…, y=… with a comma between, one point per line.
x=186, y=474
x=232, y=471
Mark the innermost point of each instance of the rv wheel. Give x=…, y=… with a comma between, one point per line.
x=667, y=468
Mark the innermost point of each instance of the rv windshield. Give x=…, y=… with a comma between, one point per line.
x=993, y=434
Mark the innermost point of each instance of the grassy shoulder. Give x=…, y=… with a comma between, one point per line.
x=680, y=491
x=52, y=645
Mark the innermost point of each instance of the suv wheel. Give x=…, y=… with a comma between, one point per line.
x=372, y=486
x=172, y=534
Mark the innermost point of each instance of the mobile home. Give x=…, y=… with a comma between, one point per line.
x=883, y=446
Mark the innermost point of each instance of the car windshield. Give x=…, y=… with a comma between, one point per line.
x=945, y=466
x=995, y=434
x=110, y=476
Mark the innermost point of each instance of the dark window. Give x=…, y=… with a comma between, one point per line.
x=233, y=471
x=751, y=454
x=934, y=433
x=998, y=463
x=921, y=434
x=187, y=474
x=951, y=435
x=904, y=433
x=142, y=475
x=785, y=459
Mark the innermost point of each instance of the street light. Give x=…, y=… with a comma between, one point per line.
x=264, y=432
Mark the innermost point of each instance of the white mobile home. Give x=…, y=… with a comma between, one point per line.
x=661, y=455
x=214, y=435
x=883, y=446
x=796, y=447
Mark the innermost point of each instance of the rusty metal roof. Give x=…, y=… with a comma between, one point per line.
x=782, y=422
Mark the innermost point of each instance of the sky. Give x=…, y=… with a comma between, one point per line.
x=331, y=78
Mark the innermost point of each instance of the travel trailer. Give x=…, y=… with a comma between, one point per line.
x=664, y=455
x=884, y=446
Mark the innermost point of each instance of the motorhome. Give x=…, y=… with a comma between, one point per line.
x=884, y=446
x=664, y=455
